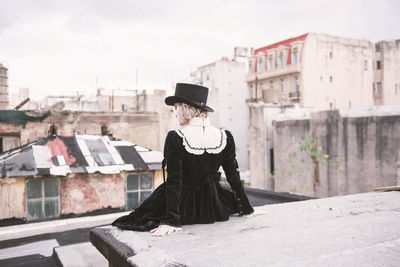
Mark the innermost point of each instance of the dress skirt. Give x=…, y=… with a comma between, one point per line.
x=207, y=202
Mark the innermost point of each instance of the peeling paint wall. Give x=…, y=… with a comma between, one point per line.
x=12, y=198
x=81, y=193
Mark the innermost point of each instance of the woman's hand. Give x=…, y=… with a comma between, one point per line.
x=256, y=212
x=164, y=229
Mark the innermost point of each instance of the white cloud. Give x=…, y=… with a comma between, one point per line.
x=59, y=47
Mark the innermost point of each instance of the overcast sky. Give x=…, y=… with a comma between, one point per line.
x=60, y=47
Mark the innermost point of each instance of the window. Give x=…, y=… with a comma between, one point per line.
x=330, y=78
x=271, y=84
x=295, y=55
x=251, y=92
x=378, y=65
x=378, y=88
x=296, y=83
x=282, y=85
x=270, y=62
x=138, y=187
x=261, y=86
x=250, y=68
x=42, y=198
x=331, y=54
x=378, y=47
x=260, y=65
x=365, y=64
x=280, y=60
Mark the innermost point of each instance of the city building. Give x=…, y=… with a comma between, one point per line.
x=324, y=72
x=225, y=79
x=386, y=87
x=3, y=87
x=58, y=176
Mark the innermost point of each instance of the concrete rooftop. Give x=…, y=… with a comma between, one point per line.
x=353, y=230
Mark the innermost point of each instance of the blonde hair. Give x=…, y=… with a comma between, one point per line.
x=185, y=112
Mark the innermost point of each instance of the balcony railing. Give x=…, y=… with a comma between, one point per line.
x=288, y=69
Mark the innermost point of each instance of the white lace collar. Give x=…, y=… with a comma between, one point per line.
x=199, y=137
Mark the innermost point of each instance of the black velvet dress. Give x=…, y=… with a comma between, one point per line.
x=192, y=193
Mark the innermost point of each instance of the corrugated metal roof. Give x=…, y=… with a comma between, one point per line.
x=60, y=155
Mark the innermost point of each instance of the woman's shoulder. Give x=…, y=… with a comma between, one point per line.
x=173, y=137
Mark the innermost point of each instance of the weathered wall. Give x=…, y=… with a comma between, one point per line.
x=349, y=63
x=370, y=146
x=391, y=72
x=257, y=148
x=12, y=198
x=81, y=193
x=142, y=128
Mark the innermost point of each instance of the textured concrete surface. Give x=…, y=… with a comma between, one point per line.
x=30, y=229
x=82, y=254
x=353, y=230
x=43, y=248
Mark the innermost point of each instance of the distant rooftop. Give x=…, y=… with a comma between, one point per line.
x=60, y=155
x=285, y=43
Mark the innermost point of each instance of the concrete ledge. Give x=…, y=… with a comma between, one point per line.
x=23, y=230
x=125, y=248
x=116, y=252
x=81, y=254
x=352, y=230
x=280, y=196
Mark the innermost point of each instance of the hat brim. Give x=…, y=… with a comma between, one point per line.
x=171, y=100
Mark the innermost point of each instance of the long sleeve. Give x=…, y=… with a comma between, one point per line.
x=230, y=166
x=174, y=181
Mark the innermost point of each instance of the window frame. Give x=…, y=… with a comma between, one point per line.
x=295, y=56
x=270, y=62
x=43, y=198
x=260, y=65
x=138, y=190
x=378, y=65
x=282, y=85
x=281, y=60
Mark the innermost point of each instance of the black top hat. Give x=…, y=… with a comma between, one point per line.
x=191, y=94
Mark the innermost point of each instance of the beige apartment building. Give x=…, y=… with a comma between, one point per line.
x=386, y=87
x=225, y=79
x=325, y=72
x=3, y=87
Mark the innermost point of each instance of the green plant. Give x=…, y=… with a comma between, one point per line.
x=315, y=152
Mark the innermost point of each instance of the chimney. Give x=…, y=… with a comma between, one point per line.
x=105, y=131
x=53, y=130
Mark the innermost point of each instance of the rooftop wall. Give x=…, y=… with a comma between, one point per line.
x=370, y=146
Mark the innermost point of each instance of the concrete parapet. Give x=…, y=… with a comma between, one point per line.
x=352, y=230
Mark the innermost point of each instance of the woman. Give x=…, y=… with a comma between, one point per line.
x=192, y=193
